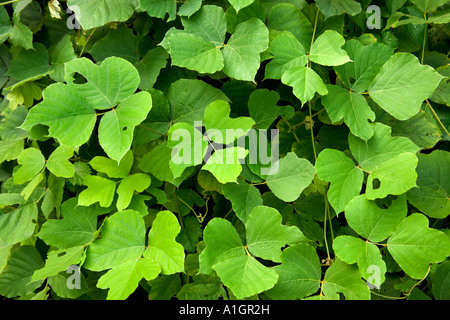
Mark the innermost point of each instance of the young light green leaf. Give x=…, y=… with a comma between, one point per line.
x=432, y=195
x=99, y=190
x=403, y=84
x=162, y=246
x=123, y=240
x=345, y=177
x=58, y=162
x=293, y=176
x=351, y=106
x=326, y=49
x=116, y=129
x=225, y=164
x=299, y=273
x=373, y=222
x=305, y=82
x=266, y=235
x=135, y=182
x=32, y=162
x=242, y=52
x=111, y=167
x=414, y=245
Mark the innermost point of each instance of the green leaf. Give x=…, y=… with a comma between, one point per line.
x=326, y=49
x=120, y=43
x=209, y=23
x=159, y=8
x=287, y=53
x=239, y=4
x=123, y=280
x=403, y=84
x=107, y=84
x=162, y=246
x=15, y=277
x=32, y=162
x=414, y=245
x=241, y=54
x=116, y=127
x=58, y=162
x=150, y=66
x=346, y=179
x=123, y=240
x=351, y=106
x=60, y=53
x=263, y=108
x=266, y=235
x=291, y=178
x=225, y=164
x=244, y=197
x=99, y=190
x=431, y=196
x=77, y=228
x=135, y=182
x=299, y=273
x=30, y=64
x=346, y=279
x=373, y=222
x=21, y=36
x=222, y=128
x=245, y=276
x=18, y=225
x=337, y=7
x=193, y=52
x=111, y=167
x=98, y=13
x=428, y=5
x=305, y=82
x=441, y=281
x=66, y=112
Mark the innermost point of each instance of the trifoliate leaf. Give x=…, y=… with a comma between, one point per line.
x=58, y=162
x=373, y=222
x=123, y=240
x=266, y=235
x=414, y=245
x=290, y=177
x=299, y=273
x=326, y=49
x=346, y=179
x=403, y=84
x=305, y=82
x=162, y=247
x=99, y=190
x=431, y=196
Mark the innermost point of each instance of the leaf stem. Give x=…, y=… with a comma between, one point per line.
x=424, y=36
x=8, y=2
x=437, y=117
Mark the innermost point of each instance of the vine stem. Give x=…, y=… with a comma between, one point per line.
x=437, y=117
x=8, y=2
x=424, y=36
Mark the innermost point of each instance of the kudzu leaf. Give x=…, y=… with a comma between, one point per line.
x=431, y=196
x=428, y=5
x=16, y=275
x=116, y=129
x=337, y=7
x=135, y=182
x=149, y=67
x=403, y=84
x=326, y=49
x=162, y=246
x=189, y=7
x=224, y=129
x=111, y=167
x=159, y=8
x=123, y=240
x=77, y=228
x=293, y=176
x=241, y=54
x=58, y=162
x=99, y=190
x=299, y=273
x=346, y=179
x=30, y=64
x=18, y=225
x=263, y=108
x=414, y=245
x=305, y=82
x=245, y=276
x=60, y=53
x=120, y=43
x=225, y=164
x=367, y=256
x=32, y=162
x=98, y=13
x=239, y=4
x=208, y=23
x=107, y=84
x=287, y=53
x=244, y=197
x=266, y=234
x=373, y=222
x=66, y=112
x=123, y=280
x=341, y=103
x=441, y=282
x=195, y=53
x=346, y=279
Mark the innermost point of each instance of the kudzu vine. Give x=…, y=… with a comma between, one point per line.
x=232, y=149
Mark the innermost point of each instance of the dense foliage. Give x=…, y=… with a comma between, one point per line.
x=95, y=204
